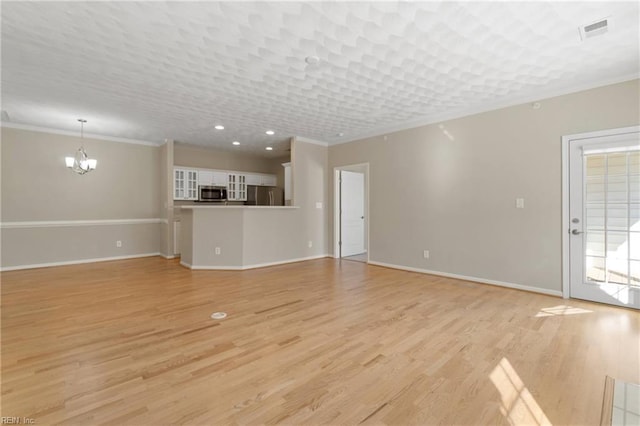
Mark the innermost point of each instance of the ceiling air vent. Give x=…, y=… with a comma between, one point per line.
x=594, y=29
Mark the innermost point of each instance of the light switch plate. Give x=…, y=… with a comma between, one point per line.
x=519, y=203
x=318, y=204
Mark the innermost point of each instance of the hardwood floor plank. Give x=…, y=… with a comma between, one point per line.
x=317, y=342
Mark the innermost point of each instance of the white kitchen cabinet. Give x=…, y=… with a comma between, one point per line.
x=205, y=177
x=261, y=179
x=185, y=184
x=212, y=177
x=237, y=187
x=254, y=179
x=220, y=178
x=269, y=180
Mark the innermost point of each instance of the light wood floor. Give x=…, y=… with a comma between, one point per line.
x=319, y=342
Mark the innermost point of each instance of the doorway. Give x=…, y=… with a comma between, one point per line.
x=601, y=215
x=351, y=234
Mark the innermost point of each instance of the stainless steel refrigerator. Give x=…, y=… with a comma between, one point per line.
x=264, y=196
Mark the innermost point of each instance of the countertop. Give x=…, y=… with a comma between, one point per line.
x=218, y=206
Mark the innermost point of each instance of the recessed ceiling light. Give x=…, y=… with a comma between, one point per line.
x=312, y=60
x=269, y=148
x=235, y=143
x=340, y=135
x=270, y=132
x=219, y=127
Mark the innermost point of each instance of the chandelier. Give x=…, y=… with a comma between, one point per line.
x=81, y=163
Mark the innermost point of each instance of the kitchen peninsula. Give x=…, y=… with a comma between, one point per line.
x=239, y=237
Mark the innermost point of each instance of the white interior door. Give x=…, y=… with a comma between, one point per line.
x=604, y=214
x=352, y=213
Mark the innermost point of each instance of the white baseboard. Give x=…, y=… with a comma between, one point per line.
x=76, y=262
x=185, y=264
x=168, y=256
x=467, y=278
x=254, y=266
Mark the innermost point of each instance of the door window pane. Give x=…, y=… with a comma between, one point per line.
x=596, y=165
x=617, y=245
x=634, y=245
x=617, y=189
x=595, y=217
x=595, y=244
x=617, y=217
x=634, y=188
x=612, y=217
x=617, y=164
x=595, y=189
x=617, y=272
x=634, y=163
x=595, y=268
x=634, y=272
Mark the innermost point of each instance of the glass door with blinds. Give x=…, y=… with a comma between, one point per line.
x=604, y=210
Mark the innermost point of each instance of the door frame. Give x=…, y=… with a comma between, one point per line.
x=566, y=219
x=337, y=200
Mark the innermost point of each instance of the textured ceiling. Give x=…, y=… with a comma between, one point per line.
x=156, y=70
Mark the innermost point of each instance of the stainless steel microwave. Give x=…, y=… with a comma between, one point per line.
x=212, y=193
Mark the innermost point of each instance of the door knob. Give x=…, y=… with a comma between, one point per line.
x=576, y=232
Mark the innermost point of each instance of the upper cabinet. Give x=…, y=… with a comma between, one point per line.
x=213, y=177
x=220, y=178
x=254, y=179
x=185, y=184
x=187, y=180
x=205, y=177
x=237, y=187
x=261, y=179
x=269, y=180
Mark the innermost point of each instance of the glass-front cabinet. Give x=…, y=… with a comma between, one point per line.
x=237, y=187
x=185, y=184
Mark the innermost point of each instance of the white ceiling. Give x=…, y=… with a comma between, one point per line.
x=155, y=70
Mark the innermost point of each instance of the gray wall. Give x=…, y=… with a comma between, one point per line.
x=309, y=168
x=214, y=227
x=36, y=186
x=450, y=187
x=272, y=236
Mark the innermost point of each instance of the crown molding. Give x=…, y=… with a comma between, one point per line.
x=75, y=133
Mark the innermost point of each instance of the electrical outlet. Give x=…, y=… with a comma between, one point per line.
x=310, y=243
x=218, y=251
x=118, y=243
x=319, y=205
x=425, y=254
